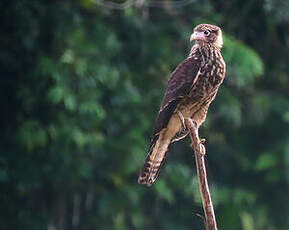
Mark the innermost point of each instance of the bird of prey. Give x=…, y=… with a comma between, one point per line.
x=191, y=89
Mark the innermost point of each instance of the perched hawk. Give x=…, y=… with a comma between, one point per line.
x=191, y=89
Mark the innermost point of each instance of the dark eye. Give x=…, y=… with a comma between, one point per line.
x=207, y=32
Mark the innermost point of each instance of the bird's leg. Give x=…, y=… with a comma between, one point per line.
x=202, y=140
x=182, y=119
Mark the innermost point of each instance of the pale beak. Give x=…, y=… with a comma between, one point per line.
x=197, y=36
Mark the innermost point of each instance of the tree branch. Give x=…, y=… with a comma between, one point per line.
x=130, y=3
x=200, y=152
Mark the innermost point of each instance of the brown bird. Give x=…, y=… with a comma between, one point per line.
x=191, y=89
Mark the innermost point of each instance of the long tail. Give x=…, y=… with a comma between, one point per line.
x=153, y=161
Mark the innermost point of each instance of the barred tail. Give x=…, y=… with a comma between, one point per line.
x=154, y=161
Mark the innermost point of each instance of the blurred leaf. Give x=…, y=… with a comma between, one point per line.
x=247, y=221
x=56, y=94
x=229, y=218
x=266, y=161
x=164, y=191
x=68, y=56
x=32, y=135
x=138, y=220
x=243, y=63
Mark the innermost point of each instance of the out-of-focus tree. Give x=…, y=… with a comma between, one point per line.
x=81, y=85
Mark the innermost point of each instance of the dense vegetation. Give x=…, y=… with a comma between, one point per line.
x=81, y=86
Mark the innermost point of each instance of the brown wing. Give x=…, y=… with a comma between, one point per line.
x=179, y=85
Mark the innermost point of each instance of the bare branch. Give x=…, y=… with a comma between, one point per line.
x=130, y=3
x=113, y=5
x=200, y=152
x=171, y=4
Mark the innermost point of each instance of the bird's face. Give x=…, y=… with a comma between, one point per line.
x=206, y=33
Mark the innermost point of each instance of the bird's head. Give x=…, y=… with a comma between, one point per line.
x=206, y=33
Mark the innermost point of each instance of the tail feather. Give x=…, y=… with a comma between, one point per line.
x=153, y=161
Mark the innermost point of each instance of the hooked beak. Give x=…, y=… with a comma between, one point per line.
x=197, y=36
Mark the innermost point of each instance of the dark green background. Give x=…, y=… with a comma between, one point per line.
x=81, y=86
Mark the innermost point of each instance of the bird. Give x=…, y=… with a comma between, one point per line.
x=191, y=88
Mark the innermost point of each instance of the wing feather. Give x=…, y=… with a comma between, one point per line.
x=179, y=85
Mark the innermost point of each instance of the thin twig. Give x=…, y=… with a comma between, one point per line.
x=200, y=152
x=171, y=4
x=114, y=5
x=130, y=3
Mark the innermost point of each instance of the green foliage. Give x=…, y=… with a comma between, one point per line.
x=81, y=89
x=243, y=63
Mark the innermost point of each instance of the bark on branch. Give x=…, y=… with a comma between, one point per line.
x=200, y=151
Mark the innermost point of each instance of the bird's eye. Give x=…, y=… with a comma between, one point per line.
x=207, y=32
